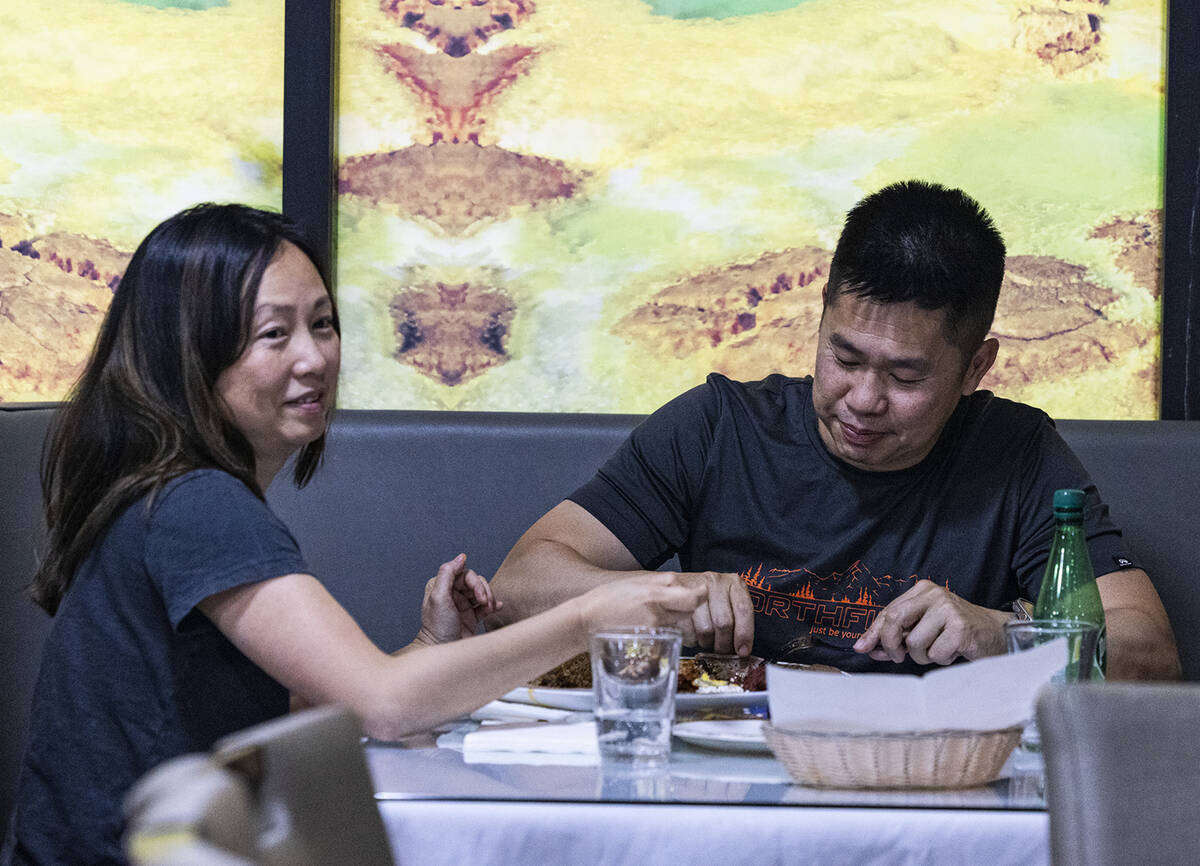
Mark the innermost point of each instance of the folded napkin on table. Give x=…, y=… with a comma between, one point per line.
x=555, y=743
x=507, y=711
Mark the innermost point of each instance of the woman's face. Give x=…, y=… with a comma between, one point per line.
x=280, y=391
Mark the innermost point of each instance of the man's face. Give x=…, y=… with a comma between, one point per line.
x=887, y=380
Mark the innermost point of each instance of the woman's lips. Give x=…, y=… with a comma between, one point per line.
x=308, y=404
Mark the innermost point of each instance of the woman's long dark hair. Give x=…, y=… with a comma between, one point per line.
x=145, y=409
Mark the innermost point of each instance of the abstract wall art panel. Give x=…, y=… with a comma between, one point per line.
x=116, y=114
x=587, y=205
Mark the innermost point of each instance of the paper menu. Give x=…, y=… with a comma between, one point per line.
x=988, y=694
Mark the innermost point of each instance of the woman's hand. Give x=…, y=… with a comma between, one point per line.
x=455, y=602
x=652, y=599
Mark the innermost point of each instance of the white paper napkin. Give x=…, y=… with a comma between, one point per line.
x=553, y=743
x=507, y=711
x=988, y=694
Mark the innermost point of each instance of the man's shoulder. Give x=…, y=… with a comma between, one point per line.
x=984, y=407
x=998, y=425
x=772, y=393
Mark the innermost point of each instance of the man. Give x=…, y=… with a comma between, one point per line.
x=880, y=515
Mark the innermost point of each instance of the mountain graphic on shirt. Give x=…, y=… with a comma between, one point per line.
x=857, y=584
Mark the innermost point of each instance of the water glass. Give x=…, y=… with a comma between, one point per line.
x=1079, y=661
x=634, y=671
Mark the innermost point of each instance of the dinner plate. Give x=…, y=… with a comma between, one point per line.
x=581, y=699
x=736, y=735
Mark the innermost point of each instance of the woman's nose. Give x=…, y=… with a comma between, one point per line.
x=311, y=356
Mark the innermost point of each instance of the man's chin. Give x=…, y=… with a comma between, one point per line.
x=872, y=457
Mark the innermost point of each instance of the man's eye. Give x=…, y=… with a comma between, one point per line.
x=904, y=381
x=846, y=362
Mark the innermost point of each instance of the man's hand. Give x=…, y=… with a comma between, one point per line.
x=455, y=602
x=933, y=626
x=724, y=622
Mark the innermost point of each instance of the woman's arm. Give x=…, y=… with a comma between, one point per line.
x=293, y=629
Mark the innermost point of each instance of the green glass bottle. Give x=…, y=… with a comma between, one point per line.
x=1069, y=584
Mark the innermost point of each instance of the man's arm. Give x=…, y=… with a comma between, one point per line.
x=568, y=552
x=934, y=626
x=931, y=624
x=1141, y=643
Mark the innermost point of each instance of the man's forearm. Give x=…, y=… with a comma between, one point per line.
x=1138, y=647
x=538, y=574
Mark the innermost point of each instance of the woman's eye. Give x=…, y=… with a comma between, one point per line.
x=324, y=323
x=272, y=334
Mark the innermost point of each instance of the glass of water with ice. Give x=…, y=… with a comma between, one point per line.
x=633, y=679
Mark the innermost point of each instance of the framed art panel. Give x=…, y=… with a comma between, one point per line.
x=589, y=205
x=118, y=113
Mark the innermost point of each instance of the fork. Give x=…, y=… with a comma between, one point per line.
x=795, y=645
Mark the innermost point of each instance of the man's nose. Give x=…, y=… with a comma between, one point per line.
x=867, y=394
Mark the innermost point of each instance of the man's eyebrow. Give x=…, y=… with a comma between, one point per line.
x=840, y=342
x=916, y=365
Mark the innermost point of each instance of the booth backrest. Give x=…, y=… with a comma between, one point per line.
x=402, y=491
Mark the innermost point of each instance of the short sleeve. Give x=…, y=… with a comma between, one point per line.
x=1052, y=465
x=207, y=533
x=646, y=492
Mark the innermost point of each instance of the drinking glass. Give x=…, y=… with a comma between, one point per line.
x=633, y=680
x=1078, y=661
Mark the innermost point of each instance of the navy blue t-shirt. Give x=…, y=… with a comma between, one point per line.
x=734, y=477
x=133, y=673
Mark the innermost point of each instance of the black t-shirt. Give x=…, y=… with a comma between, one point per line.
x=733, y=477
x=133, y=673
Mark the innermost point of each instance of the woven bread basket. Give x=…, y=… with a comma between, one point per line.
x=926, y=759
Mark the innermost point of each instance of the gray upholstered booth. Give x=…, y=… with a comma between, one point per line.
x=402, y=492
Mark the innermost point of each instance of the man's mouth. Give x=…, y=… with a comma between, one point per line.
x=859, y=435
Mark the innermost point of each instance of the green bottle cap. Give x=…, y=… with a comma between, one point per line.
x=1068, y=503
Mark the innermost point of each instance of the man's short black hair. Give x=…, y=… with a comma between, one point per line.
x=921, y=242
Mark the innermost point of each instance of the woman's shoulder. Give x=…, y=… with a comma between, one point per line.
x=208, y=492
x=202, y=482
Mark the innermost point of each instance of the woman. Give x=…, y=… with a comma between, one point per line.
x=183, y=608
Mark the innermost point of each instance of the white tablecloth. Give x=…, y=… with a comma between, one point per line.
x=480, y=833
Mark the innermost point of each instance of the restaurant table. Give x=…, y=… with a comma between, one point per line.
x=707, y=806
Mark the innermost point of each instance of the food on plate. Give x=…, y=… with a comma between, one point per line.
x=574, y=673
x=704, y=674
x=720, y=674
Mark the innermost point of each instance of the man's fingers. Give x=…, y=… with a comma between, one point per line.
x=869, y=638
x=743, y=618
x=479, y=588
x=720, y=614
x=448, y=571
x=702, y=625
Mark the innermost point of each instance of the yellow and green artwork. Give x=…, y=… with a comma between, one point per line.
x=587, y=205
x=116, y=114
